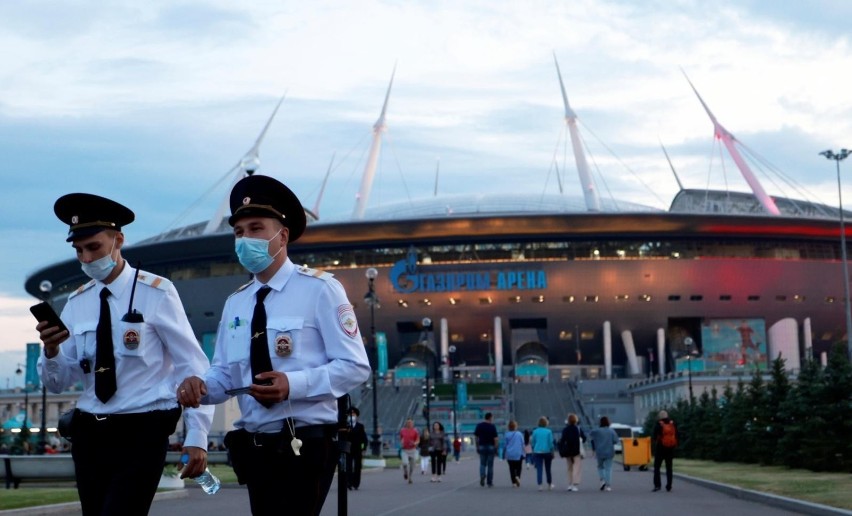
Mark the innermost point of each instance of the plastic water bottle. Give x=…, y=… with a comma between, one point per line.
x=208, y=481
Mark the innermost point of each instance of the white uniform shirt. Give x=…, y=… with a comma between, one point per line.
x=148, y=367
x=312, y=336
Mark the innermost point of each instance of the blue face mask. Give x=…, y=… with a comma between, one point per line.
x=100, y=268
x=253, y=253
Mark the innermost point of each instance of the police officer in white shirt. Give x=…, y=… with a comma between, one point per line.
x=291, y=340
x=128, y=358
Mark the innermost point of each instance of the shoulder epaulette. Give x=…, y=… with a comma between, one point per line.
x=314, y=273
x=82, y=288
x=152, y=280
x=241, y=288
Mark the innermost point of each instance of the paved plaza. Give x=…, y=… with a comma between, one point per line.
x=384, y=493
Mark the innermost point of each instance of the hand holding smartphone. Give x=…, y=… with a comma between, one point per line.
x=44, y=312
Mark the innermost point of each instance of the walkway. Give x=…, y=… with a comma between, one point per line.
x=384, y=493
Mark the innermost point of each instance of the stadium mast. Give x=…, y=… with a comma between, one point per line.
x=590, y=194
x=247, y=165
x=728, y=139
x=372, y=160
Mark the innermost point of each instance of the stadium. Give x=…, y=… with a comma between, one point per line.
x=532, y=290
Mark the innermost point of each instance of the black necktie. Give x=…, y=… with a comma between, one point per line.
x=104, y=356
x=260, y=361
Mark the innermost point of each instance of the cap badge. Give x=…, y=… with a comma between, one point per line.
x=283, y=345
x=131, y=339
x=246, y=200
x=75, y=219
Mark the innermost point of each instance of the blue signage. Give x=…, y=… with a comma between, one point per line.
x=406, y=278
x=461, y=395
x=382, y=348
x=32, y=380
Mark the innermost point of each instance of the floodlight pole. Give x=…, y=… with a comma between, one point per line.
x=843, y=154
x=372, y=300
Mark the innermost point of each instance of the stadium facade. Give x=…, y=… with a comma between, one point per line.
x=518, y=284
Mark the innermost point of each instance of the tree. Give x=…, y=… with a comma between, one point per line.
x=735, y=420
x=835, y=410
x=778, y=389
x=756, y=445
x=797, y=443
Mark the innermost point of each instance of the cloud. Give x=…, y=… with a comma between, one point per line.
x=152, y=102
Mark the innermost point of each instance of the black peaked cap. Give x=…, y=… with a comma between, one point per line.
x=88, y=214
x=264, y=196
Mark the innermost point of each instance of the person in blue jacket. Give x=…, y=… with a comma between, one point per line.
x=541, y=442
x=604, y=440
x=513, y=452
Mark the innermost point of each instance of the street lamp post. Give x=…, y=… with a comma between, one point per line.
x=20, y=371
x=843, y=154
x=688, y=342
x=45, y=287
x=372, y=300
x=427, y=324
x=452, y=350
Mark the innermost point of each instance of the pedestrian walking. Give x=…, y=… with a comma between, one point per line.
x=604, y=440
x=487, y=441
x=665, y=441
x=288, y=346
x=541, y=442
x=513, y=452
x=409, y=440
x=571, y=448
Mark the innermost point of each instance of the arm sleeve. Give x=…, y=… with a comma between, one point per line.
x=188, y=360
x=347, y=365
x=63, y=370
x=218, y=377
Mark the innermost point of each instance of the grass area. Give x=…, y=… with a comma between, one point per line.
x=834, y=489
x=30, y=496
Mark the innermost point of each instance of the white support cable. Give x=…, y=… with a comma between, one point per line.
x=600, y=175
x=618, y=158
x=797, y=188
x=398, y=165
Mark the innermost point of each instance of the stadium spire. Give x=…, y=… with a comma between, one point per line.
x=366, y=187
x=729, y=140
x=590, y=194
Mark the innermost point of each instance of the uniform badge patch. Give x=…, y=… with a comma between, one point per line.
x=246, y=200
x=283, y=345
x=131, y=339
x=348, y=323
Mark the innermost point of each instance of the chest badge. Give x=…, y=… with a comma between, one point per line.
x=283, y=345
x=131, y=339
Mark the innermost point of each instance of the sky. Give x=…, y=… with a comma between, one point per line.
x=152, y=103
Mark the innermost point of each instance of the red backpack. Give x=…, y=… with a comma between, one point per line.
x=669, y=434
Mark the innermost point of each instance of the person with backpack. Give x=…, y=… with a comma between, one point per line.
x=665, y=440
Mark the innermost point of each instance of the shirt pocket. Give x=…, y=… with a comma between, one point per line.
x=132, y=341
x=285, y=339
x=84, y=339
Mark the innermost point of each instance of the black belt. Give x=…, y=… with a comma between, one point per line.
x=102, y=418
x=302, y=432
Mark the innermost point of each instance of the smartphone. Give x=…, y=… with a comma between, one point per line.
x=44, y=312
x=239, y=390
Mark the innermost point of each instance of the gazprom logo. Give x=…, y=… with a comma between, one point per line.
x=406, y=278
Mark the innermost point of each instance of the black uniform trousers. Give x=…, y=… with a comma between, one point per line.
x=118, y=459
x=278, y=481
x=354, y=462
